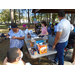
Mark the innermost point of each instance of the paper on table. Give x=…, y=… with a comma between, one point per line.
x=10, y=37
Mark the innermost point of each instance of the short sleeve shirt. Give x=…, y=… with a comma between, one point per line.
x=16, y=42
x=64, y=27
x=44, y=30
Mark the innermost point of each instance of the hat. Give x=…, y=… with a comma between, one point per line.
x=13, y=25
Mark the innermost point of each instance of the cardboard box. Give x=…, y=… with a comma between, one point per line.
x=42, y=49
x=36, y=44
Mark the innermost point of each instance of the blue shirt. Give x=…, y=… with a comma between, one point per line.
x=49, y=30
x=16, y=42
x=74, y=29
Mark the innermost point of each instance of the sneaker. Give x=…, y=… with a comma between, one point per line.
x=53, y=61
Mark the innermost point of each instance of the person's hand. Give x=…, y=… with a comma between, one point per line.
x=14, y=37
x=7, y=36
x=39, y=35
x=53, y=47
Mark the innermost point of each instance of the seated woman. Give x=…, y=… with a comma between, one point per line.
x=2, y=35
x=44, y=29
x=16, y=37
x=14, y=57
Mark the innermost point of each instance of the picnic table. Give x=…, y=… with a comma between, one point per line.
x=49, y=52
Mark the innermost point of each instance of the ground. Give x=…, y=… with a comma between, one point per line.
x=4, y=46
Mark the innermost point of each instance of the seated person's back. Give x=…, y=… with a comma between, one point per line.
x=14, y=57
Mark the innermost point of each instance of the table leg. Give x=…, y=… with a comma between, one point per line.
x=39, y=61
x=48, y=60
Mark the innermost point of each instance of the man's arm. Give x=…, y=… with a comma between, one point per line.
x=58, y=35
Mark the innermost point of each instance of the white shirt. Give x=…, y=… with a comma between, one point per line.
x=19, y=63
x=15, y=42
x=64, y=27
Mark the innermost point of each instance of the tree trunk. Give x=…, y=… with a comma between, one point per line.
x=8, y=22
x=35, y=17
x=11, y=15
x=14, y=15
x=51, y=17
x=19, y=17
x=47, y=17
x=41, y=16
x=72, y=18
x=28, y=19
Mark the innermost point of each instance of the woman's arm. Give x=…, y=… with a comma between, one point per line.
x=43, y=34
x=19, y=38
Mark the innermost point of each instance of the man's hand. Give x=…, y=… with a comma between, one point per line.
x=53, y=47
x=14, y=37
x=58, y=36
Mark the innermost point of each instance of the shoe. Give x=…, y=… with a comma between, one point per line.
x=53, y=61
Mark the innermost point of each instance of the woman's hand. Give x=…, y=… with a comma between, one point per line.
x=14, y=37
x=7, y=36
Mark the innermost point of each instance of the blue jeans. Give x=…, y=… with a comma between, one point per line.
x=60, y=51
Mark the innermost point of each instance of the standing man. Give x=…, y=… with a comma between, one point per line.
x=62, y=35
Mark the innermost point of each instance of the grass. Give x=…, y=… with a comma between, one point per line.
x=6, y=26
x=3, y=26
